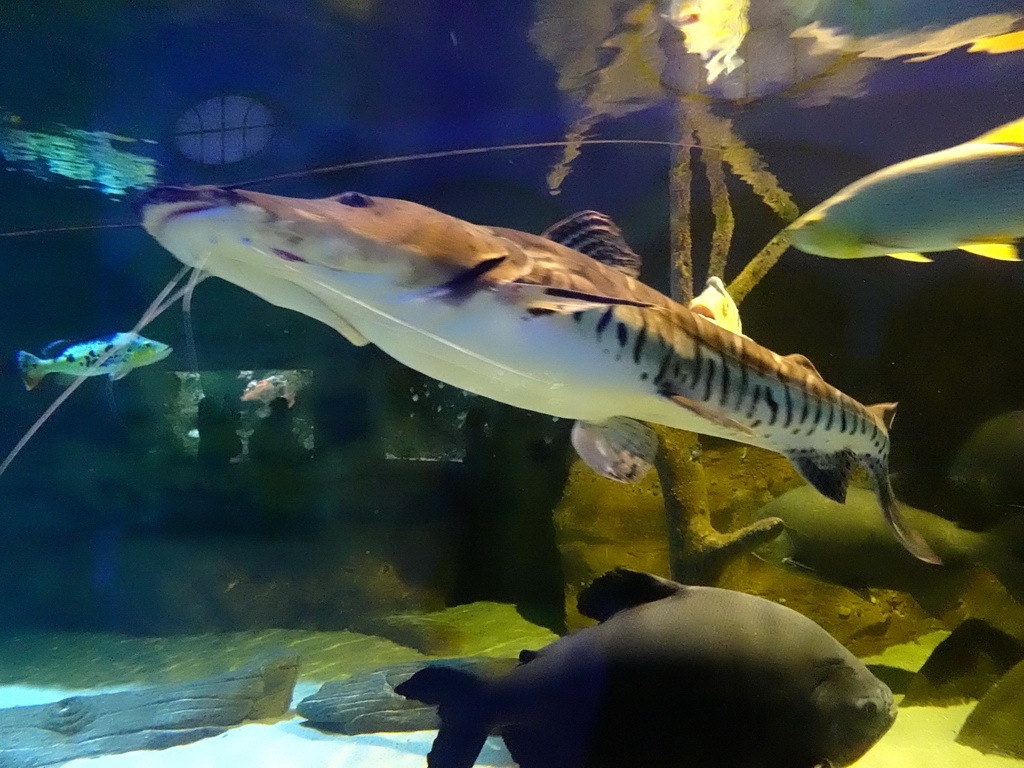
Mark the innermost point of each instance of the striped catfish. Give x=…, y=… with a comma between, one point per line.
x=556, y=324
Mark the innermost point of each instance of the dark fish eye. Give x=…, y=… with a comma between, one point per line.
x=869, y=708
x=354, y=200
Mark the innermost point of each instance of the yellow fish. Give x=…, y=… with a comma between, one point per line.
x=970, y=197
x=718, y=306
x=115, y=356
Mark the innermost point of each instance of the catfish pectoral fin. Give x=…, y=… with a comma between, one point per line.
x=463, y=284
x=706, y=412
x=618, y=448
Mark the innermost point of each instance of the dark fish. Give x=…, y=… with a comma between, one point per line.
x=847, y=544
x=673, y=675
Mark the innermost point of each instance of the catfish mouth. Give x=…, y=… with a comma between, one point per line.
x=182, y=201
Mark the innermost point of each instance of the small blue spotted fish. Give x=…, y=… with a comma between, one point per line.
x=124, y=352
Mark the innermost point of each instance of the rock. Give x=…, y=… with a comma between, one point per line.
x=367, y=703
x=964, y=666
x=149, y=718
x=477, y=629
x=996, y=725
x=90, y=661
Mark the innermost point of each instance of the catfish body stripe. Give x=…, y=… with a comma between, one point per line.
x=698, y=362
x=711, y=375
x=744, y=383
x=638, y=347
x=755, y=399
x=698, y=350
x=772, y=405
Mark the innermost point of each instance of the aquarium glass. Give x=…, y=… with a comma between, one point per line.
x=492, y=323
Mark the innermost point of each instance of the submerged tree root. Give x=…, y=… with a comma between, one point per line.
x=697, y=552
x=758, y=267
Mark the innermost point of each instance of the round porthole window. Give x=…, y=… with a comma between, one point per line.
x=224, y=129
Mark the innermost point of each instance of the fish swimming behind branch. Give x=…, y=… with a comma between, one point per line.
x=527, y=321
x=847, y=545
x=970, y=197
x=715, y=303
x=115, y=356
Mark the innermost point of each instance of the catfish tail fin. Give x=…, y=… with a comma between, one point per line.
x=912, y=540
x=459, y=696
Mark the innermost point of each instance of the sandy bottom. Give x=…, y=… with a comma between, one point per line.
x=922, y=737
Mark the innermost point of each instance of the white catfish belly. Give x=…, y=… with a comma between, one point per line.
x=488, y=346
x=548, y=363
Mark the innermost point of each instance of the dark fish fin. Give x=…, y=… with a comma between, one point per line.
x=829, y=473
x=458, y=695
x=705, y=412
x=618, y=448
x=864, y=593
x=463, y=284
x=1003, y=554
x=55, y=348
x=542, y=298
x=939, y=595
x=912, y=540
x=526, y=656
x=595, y=235
x=112, y=400
x=621, y=589
x=796, y=565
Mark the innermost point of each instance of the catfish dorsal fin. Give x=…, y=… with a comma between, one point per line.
x=595, y=235
x=885, y=412
x=621, y=589
x=803, y=362
x=1010, y=133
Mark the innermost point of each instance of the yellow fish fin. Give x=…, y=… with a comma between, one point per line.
x=1010, y=41
x=1011, y=133
x=1000, y=251
x=910, y=256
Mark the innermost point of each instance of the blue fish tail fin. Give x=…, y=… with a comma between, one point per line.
x=459, y=696
x=31, y=367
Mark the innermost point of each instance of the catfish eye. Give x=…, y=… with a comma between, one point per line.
x=354, y=200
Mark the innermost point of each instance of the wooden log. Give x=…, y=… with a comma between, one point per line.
x=148, y=718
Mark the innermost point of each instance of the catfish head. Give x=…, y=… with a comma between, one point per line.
x=213, y=227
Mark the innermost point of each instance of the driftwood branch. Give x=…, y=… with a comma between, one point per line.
x=149, y=718
x=697, y=552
